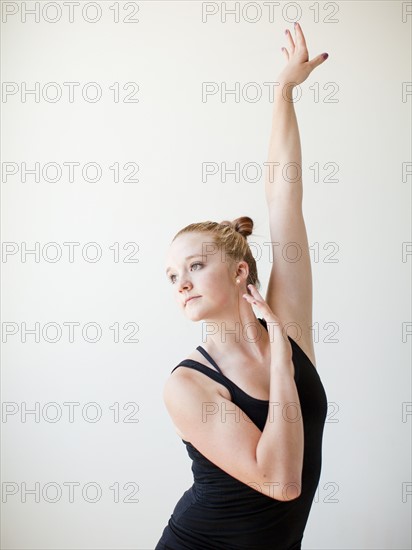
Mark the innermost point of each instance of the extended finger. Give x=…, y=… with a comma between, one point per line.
x=249, y=298
x=290, y=40
x=256, y=294
x=286, y=53
x=254, y=290
x=318, y=60
x=300, y=38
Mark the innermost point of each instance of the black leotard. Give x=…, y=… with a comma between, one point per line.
x=219, y=512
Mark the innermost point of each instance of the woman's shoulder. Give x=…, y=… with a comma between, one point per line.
x=198, y=357
x=193, y=376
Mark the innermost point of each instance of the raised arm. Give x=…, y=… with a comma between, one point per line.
x=289, y=292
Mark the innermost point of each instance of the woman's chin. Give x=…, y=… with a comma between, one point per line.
x=195, y=313
x=194, y=316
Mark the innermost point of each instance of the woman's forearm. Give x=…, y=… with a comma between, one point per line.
x=284, y=168
x=279, y=452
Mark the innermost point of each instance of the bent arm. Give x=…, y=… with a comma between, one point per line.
x=279, y=452
x=270, y=461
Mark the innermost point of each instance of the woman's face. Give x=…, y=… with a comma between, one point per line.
x=198, y=270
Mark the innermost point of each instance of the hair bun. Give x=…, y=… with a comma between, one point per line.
x=242, y=225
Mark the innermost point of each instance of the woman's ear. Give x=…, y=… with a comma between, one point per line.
x=243, y=269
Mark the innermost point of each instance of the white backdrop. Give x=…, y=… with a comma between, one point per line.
x=90, y=331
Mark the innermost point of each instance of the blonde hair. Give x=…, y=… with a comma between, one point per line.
x=231, y=238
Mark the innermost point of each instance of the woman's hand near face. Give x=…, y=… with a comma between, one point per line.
x=281, y=350
x=298, y=66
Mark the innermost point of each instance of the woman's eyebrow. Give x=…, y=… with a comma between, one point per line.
x=187, y=258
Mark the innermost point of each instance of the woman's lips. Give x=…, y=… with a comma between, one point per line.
x=193, y=298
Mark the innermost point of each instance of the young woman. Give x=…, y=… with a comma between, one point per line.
x=249, y=406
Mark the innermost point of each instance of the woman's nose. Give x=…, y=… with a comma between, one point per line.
x=185, y=284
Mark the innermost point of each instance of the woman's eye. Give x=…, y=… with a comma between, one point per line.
x=196, y=263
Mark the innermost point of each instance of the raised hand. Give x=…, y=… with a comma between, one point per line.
x=298, y=66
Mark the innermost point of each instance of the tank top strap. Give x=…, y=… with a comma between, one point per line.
x=209, y=358
x=216, y=376
x=207, y=370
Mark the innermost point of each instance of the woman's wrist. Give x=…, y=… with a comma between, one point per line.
x=285, y=89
